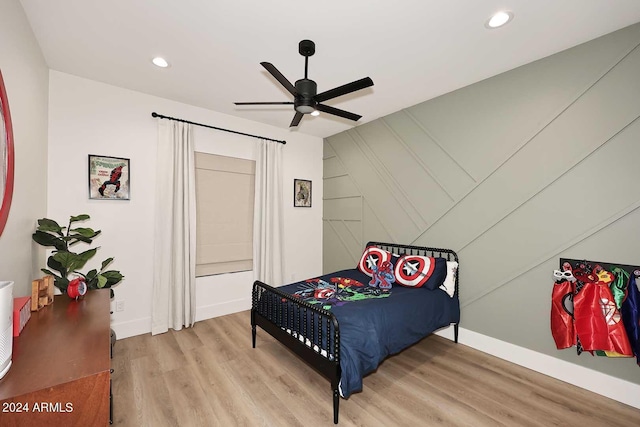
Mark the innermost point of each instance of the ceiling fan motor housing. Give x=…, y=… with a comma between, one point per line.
x=303, y=102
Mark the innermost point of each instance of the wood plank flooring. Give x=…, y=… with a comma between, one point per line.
x=209, y=375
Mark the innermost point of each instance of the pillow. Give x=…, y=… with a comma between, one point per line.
x=417, y=271
x=371, y=256
x=449, y=284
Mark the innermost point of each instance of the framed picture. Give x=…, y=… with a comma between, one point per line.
x=109, y=178
x=301, y=193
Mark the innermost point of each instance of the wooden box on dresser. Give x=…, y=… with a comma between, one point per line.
x=60, y=374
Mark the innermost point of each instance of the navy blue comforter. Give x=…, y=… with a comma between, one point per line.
x=374, y=323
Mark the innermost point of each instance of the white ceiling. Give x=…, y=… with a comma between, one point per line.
x=413, y=50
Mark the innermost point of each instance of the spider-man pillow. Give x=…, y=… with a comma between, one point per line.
x=416, y=271
x=374, y=256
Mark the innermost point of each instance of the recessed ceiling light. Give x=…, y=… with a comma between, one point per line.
x=160, y=62
x=499, y=19
x=315, y=113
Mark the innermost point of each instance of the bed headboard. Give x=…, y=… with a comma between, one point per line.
x=400, y=249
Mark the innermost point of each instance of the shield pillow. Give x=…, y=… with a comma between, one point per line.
x=417, y=271
x=373, y=256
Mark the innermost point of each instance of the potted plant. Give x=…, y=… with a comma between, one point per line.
x=68, y=263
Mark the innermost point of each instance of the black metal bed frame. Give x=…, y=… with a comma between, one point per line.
x=312, y=332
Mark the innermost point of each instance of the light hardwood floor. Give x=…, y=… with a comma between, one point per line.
x=209, y=375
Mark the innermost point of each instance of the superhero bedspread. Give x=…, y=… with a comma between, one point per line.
x=374, y=322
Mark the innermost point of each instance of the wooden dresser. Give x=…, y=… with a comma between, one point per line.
x=60, y=374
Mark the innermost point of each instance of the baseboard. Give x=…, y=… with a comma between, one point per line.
x=143, y=326
x=588, y=379
x=132, y=328
x=222, y=309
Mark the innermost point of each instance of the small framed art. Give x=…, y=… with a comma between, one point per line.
x=109, y=178
x=301, y=193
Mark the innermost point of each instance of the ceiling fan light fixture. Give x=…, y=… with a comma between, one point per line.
x=305, y=109
x=315, y=113
x=499, y=19
x=160, y=62
x=303, y=104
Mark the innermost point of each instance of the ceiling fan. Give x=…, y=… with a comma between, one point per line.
x=305, y=98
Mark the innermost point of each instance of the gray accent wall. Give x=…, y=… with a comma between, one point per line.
x=512, y=172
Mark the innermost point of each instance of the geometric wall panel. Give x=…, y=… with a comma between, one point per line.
x=512, y=172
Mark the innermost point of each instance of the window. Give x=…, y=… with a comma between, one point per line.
x=225, y=188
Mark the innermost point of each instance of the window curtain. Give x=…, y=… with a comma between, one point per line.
x=174, y=276
x=267, y=219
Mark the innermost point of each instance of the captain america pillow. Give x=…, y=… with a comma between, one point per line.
x=415, y=271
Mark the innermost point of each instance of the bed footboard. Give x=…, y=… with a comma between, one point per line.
x=309, y=331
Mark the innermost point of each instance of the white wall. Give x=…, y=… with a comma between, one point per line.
x=26, y=80
x=87, y=117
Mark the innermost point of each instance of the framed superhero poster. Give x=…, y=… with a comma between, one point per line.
x=109, y=178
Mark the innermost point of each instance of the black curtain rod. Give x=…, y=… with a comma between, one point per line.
x=160, y=116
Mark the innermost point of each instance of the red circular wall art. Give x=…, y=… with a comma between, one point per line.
x=6, y=156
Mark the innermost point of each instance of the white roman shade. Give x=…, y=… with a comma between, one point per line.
x=225, y=188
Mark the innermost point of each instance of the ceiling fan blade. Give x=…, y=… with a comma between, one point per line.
x=337, y=112
x=279, y=77
x=263, y=103
x=296, y=119
x=344, y=89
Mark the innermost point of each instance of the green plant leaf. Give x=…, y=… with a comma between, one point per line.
x=52, y=263
x=105, y=263
x=84, y=231
x=45, y=271
x=46, y=239
x=81, y=234
x=101, y=281
x=77, y=238
x=93, y=283
x=73, y=262
x=81, y=217
x=61, y=283
x=68, y=260
x=46, y=224
x=113, y=277
x=85, y=256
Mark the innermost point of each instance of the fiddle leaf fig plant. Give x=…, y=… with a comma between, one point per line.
x=67, y=263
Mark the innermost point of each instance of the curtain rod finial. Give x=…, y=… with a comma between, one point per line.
x=154, y=114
